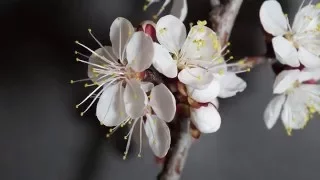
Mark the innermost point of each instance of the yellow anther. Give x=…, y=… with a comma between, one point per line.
x=190, y=25
x=77, y=42
x=248, y=70
x=75, y=52
x=289, y=131
x=130, y=122
x=101, y=123
x=199, y=42
x=285, y=15
x=107, y=135
x=124, y=157
x=163, y=30
x=202, y=23
x=77, y=59
x=221, y=71
x=77, y=106
x=89, y=30
x=231, y=57
x=110, y=130
x=82, y=113
x=155, y=17
x=139, y=156
x=228, y=44
x=71, y=81
x=86, y=85
x=145, y=7
x=318, y=27
x=318, y=5
x=125, y=137
x=241, y=62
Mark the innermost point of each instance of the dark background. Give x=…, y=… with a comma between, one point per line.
x=43, y=137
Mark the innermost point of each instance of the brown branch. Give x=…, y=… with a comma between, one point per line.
x=178, y=154
x=223, y=17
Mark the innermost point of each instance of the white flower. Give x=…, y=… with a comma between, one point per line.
x=193, y=55
x=179, y=8
x=296, y=44
x=158, y=110
x=226, y=84
x=116, y=67
x=295, y=100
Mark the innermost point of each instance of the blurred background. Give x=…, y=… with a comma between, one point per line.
x=43, y=136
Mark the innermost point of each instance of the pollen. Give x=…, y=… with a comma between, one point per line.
x=202, y=23
x=82, y=113
x=71, y=81
x=318, y=27
x=221, y=72
x=77, y=106
x=145, y=7
x=163, y=30
x=289, y=131
x=155, y=17
x=200, y=43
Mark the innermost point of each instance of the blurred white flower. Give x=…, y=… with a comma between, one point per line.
x=179, y=8
x=296, y=99
x=296, y=44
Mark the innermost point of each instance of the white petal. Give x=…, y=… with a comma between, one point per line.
x=308, y=59
x=285, y=80
x=110, y=108
x=285, y=52
x=272, y=112
x=179, y=9
x=306, y=19
x=163, y=61
x=95, y=60
x=195, y=77
x=134, y=99
x=272, y=18
x=171, y=33
x=311, y=88
x=202, y=44
x=231, y=84
x=120, y=32
x=140, y=51
x=146, y=86
x=215, y=102
x=163, y=102
x=205, y=95
x=314, y=73
x=206, y=119
x=158, y=135
x=294, y=111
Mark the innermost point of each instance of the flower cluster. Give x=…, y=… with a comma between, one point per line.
x=297, y=47
x=194, y=63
